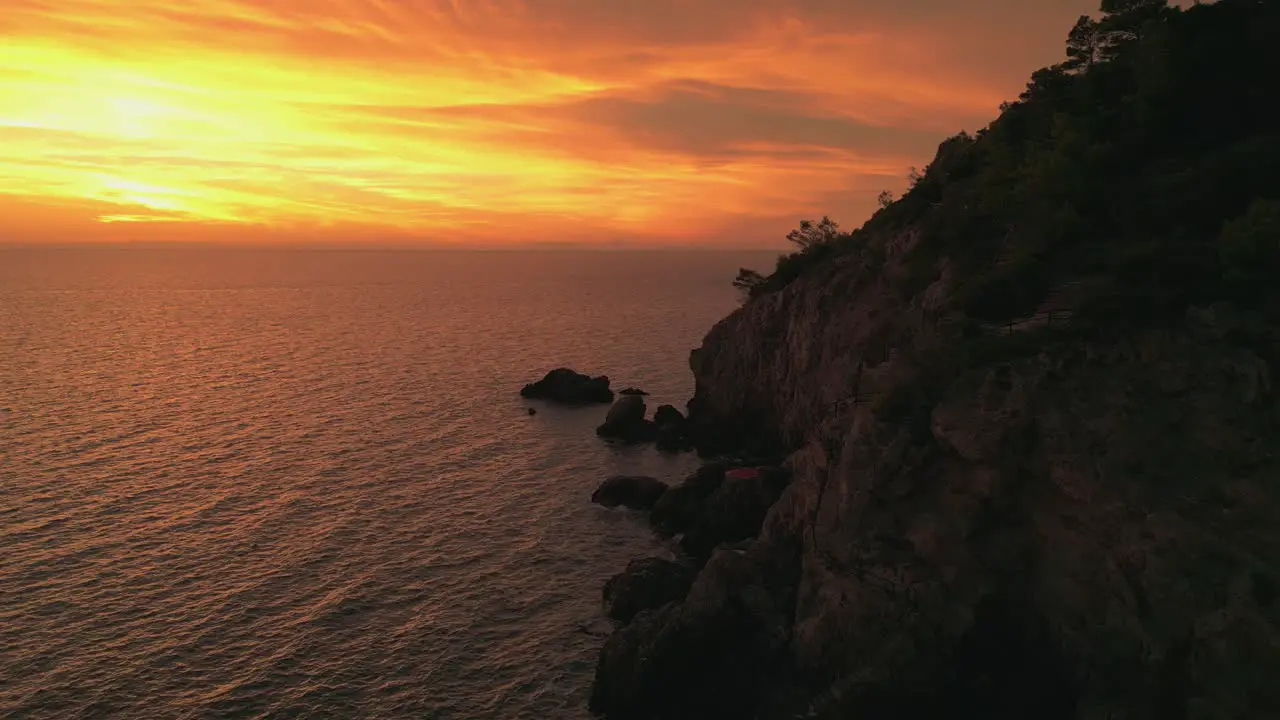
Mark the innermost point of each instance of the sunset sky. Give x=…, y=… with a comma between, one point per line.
x=720, y=122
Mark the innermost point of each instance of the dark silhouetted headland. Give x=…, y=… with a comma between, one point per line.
x=1028, y=413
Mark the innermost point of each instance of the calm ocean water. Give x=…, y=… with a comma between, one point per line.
x=301, y=483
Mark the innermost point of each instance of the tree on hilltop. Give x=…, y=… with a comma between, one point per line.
x=810, y=235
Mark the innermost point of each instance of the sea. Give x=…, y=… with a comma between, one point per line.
x=301, y=483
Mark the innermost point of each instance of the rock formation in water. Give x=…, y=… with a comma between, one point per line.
x=569, y=387
x=1029, y=419
x=626, y=421
x=637, y=492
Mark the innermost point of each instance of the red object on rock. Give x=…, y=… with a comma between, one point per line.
x=745, y=473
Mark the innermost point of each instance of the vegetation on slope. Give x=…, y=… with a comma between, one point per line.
x=1147, y=159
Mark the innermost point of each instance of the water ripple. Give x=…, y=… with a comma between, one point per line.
x=257, y=485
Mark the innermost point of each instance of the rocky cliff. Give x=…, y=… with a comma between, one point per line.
x=1035, y=474
x=1069, y=528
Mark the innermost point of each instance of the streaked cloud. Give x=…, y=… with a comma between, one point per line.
x=511, y=120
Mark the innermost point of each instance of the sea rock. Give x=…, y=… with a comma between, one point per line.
x=569, y=387
x=626, y=421
x=637, y=492
x=627, y=410
x=646, y=584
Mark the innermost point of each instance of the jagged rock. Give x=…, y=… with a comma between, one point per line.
x=568, y=387
x=734, y=512
x=677, y=509
x=637, y=492
x=626, y=421
x=709, y=656
x=646, y=584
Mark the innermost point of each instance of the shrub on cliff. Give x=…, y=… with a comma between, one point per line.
x=815, y=242
x=1120, y=162
x=747, y=281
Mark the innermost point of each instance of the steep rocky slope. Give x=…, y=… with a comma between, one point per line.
x=1030, y=477
x=1117, y=500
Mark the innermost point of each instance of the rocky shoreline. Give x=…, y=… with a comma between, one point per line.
x=1081, y=531
x=1019, y=431
x=672, y=618
x=981, y=561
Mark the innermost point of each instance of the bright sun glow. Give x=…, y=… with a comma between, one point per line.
x=446, y=120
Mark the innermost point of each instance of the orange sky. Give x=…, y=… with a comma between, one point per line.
x=694, y=121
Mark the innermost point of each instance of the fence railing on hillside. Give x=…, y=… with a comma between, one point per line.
x=854, y=399
x=1049, y=318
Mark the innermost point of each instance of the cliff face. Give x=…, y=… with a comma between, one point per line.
x=1085, y=529
x=1029, y=415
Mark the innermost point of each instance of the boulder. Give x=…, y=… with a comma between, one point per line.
x=627, y=410
x=569, y=387
x=646, y=584
x=637, y=492
x=626, y=421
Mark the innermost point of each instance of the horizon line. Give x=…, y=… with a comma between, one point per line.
x=385, y=246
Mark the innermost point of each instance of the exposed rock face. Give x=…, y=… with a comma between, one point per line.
x=992, y=514
x=1087, y=526
x=568, y=387
x=626, y=421
x=646, y=584
x=1097, y=514
x=637, y=492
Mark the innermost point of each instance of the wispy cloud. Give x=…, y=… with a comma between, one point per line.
x=519, y=119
